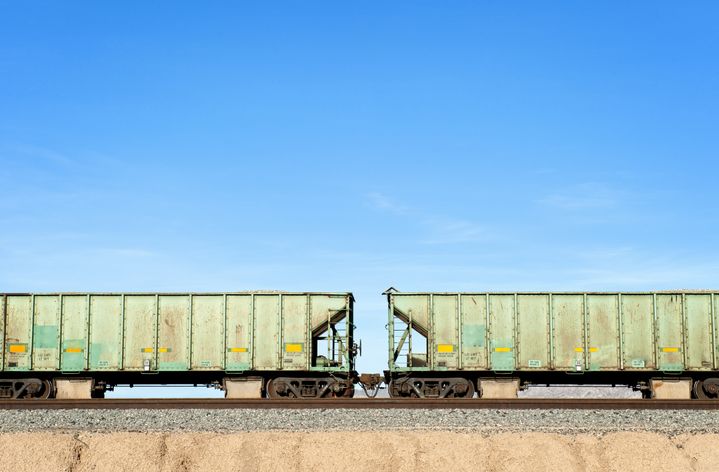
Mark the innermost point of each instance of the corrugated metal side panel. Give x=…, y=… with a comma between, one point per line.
x=715, y=330
x=3, y=348
x=239, y=341
x=502, y=342
x=533, y=332
x=637, y=328
x=445, y=338
x=670, y=332
x=698, y=332
x=74, y=331
x=295, y=345
x=474, y=331
x=667, y=331
x=208, y=325
x=603, y=332
x=140, y=332
x=173, y=335
x=266, y=336
x=46, y=332
x=105, y=332
x=568, y=331
x=18, y=332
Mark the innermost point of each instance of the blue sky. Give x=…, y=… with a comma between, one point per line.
x=328, y=146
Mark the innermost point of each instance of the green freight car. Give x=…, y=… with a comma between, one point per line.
x=456, y=344
x=78, y=345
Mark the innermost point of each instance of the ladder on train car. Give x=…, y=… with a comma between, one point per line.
x=402, y=343
x=338, y=343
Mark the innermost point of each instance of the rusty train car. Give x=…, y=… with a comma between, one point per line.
x=78, y=345
x=665, y=344
x=302, y=345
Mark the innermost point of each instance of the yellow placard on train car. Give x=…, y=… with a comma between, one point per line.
x=164, y=349
x=445, y=347
x=74, y=349
x=670, y=349
x=236, y=349
x=578, y=349
x=16, y=348
x=146, y=349
x=502, y=349
x=293, y=347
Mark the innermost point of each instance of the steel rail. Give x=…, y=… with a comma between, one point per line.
x=363, y=403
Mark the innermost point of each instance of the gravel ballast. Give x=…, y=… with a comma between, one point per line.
x=667, y=422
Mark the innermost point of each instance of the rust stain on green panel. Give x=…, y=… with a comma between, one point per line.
x=173, y=332
x=18, y=330
x=699, y=335
x=267, y=332
x=140, y=332
x=568, y=334
x=239, y=332
x=603, y=331
x=638, y=334
x=294, y=322
x=208, y=326
x=669, y=331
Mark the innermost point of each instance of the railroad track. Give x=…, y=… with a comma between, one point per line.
x=363, y=403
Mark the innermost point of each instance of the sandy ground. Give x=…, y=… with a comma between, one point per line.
x=396, y=451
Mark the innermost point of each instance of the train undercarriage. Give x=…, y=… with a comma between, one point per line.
x=303, y=385
x=423, y=384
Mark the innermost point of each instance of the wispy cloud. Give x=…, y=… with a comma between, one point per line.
x=448, y=231
x=122, y=252
x=588, y=195
x=437, y=229
x=39, y=152
x=383, y=202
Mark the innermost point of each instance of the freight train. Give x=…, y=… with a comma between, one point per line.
x=301, y=345
x=455, y=344
x=78, y=345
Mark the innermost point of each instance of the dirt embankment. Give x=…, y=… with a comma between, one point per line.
x=396, y=451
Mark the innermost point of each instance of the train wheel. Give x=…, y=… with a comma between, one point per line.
x=46, y=390
x=420, y=387
x=698, y=391
x=295, y=387
x=707, y=389
x=349, y=392
x=469, y=390
x=390, y=389
x=279, y=389
x=346, y=390
x=401, y=389
x=31, y=389
x=272, y=390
